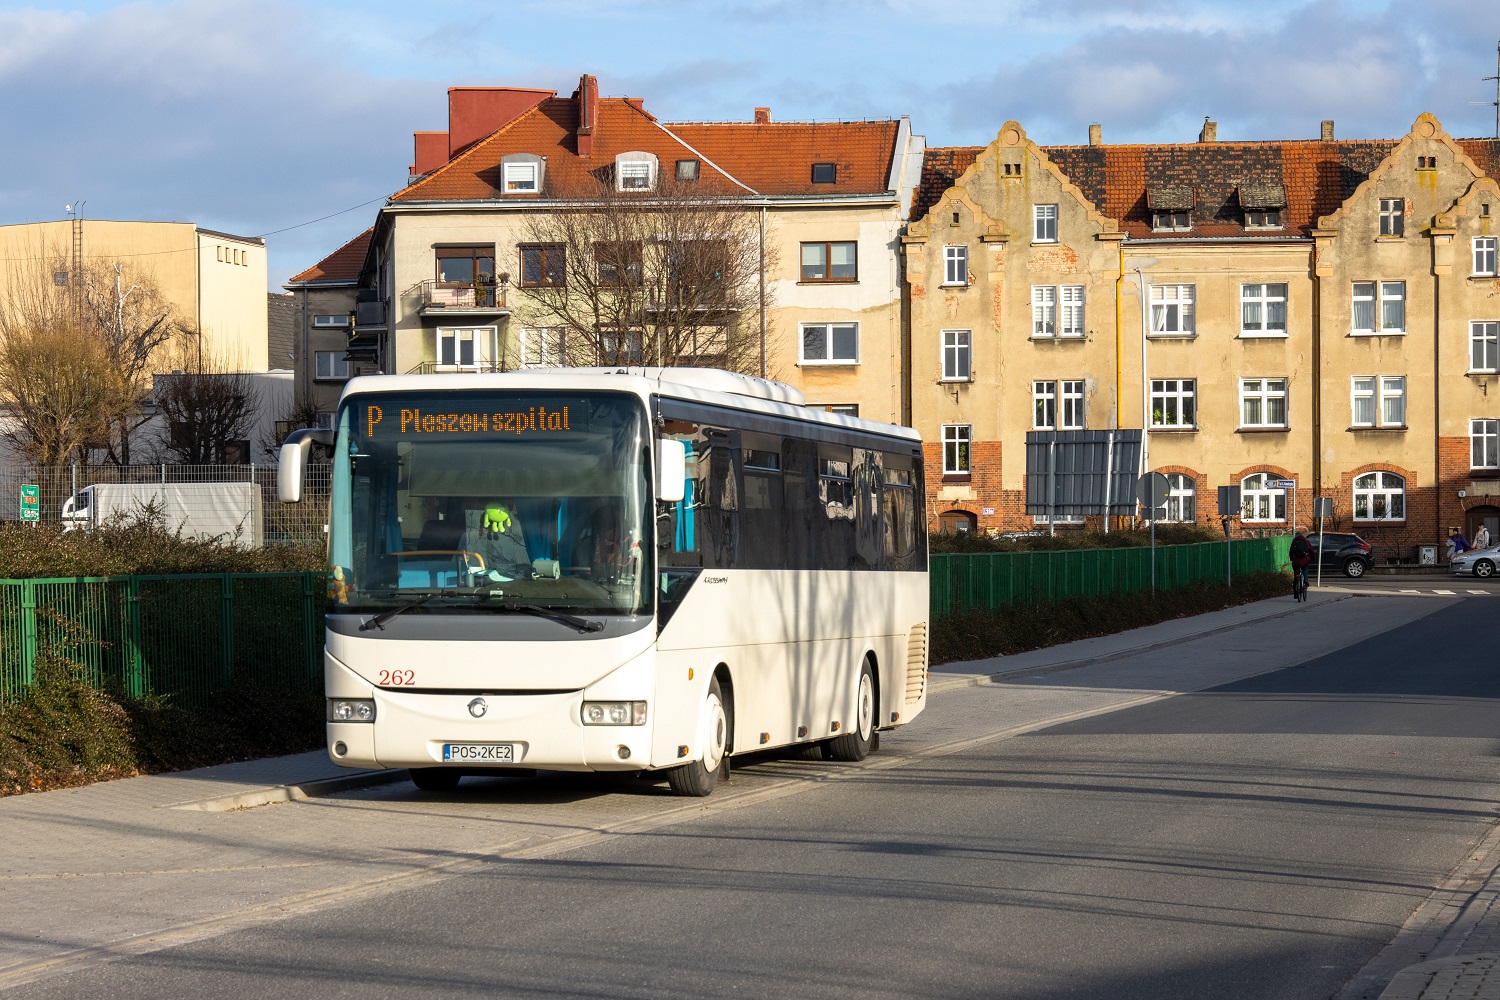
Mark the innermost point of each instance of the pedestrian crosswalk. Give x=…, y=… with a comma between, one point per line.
x=1444, y=593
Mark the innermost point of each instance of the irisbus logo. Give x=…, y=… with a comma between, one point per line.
x=478, y=707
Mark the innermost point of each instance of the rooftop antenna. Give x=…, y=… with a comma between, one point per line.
x=1496, y=102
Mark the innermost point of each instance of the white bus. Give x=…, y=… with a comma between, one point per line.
x=614, y=570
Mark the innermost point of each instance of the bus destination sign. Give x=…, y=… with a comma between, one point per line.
x=417, y=422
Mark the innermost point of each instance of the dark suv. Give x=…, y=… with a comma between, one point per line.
x=1342, y=551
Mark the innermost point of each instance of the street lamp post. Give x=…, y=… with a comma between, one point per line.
x=1143, y=283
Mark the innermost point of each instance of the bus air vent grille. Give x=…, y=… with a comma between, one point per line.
x=916, y=664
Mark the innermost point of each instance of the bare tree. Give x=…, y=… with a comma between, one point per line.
x=207, y=409
x=62, y=391
x=670, y=276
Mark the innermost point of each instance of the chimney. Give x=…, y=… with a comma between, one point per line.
x=587, y=96
x=1327, y=129
x=430, y=151
x=1096, y=135
x=762, y=116
x=1210, y=131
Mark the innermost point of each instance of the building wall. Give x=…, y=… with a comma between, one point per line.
x=310, y=302
x=232, y=299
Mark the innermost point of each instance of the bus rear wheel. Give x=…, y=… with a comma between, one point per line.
x=701, y=776
x=856, y=743
x=435, y=779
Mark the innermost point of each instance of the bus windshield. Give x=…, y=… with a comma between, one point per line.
x=480, y=501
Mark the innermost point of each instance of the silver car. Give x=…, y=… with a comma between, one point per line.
x=1477, y=562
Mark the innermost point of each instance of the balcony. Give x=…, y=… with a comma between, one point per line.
x=434, y=368
x=434, y=298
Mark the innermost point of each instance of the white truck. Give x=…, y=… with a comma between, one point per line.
x=229, y=513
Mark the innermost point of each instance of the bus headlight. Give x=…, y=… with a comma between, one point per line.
x=351, y=710
x=614, y=713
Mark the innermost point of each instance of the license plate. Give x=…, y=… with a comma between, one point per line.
x=480, y=753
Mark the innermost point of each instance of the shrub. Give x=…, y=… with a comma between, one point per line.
x=45, y=550
x=976, y=633
x=1166, y=534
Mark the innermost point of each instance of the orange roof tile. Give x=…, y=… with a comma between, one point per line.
x=770, y=159
x=344, y=264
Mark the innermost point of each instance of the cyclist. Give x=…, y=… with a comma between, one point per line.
x=1301, y=554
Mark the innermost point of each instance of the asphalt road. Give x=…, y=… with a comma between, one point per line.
x=1432, y=584
x=1261, y=839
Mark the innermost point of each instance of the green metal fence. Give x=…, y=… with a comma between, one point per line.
x=997, y=579
x=183, y=636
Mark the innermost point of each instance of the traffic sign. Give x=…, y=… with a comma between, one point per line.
x=1283, y=484
x=1151, y=489
x=31, y=503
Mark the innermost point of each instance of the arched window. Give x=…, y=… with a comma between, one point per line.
x=1260, y=500
x=1182, y=498
x=1379, y=496
x=952, y=522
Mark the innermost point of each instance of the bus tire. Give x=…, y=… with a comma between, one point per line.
x=699, y=778
x=855, y=744
x=435, y=779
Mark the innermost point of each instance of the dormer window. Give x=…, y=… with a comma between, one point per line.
x=635, y=172
x=687, y=171
x=825, y=173
x=1262, y=204
x=1171, y=208
x=522, y=173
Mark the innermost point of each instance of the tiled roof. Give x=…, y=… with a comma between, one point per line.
x=343, y=264
x=771, y=159
x=941, y=167
x=1315, y=176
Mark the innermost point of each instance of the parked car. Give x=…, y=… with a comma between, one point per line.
x=1477, y=562
x=1342, y=551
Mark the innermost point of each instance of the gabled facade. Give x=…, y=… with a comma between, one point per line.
x=1309, y=312
x=448, y=262
x=325, y=298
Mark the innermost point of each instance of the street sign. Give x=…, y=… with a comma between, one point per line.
x=31, y=503
x=1283, y=484
x=1323, y=507
x=1151, y=489
x=1229, y=501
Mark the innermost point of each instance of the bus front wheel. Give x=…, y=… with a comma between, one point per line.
x=699, y=778
x=856, y=743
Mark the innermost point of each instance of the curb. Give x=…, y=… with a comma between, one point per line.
x=952, y=682
x=1412, y=982
x=292, y=792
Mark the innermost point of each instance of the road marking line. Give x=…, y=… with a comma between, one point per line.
x=1446, y=593
x=1479, y=591
x=1405, y=591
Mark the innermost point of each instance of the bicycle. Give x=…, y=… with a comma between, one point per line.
x=1299, y=583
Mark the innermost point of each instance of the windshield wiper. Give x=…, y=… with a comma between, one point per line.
x=581, y=624
x=379, y=620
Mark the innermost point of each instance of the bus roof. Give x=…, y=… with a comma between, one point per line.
x=704, y=385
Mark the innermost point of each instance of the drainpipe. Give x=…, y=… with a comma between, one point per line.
x=1317, y=371
x=762, y=291
x=1437, y=393
x=1119, y=346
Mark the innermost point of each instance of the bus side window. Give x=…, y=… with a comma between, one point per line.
x=803, y=511
x=719, y=514
x=901, y=479
x=836, y=530
x=761, y=518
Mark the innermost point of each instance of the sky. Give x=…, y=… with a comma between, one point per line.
x=293, y=120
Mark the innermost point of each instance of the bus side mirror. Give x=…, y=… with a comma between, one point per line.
x=671, y=471
x=293, y=460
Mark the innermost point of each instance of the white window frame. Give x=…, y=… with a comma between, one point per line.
x=522, y=178
x=1182, y=498
x=1174, y=310
x=1044, y=405
x=1392, y=217
x=1183, y=392
x=1260, y=297
x=1178, y=221
x=632, y=167
x=325, y=321
x=482, y=338
x=1484, y=443
x=955, y=264
x=1257, y=395
x=1376, y=396
x=1071, y=301
x=1259, y=503
x=1484, y=256
x=1044, y=223
x=1484, y=346
x=1377, y=494
x=1380, y=295
x=330, y=366
x=1058, y=519
x=1071, y=400
x=958, y=356
x=1043, y=311
x=958, y=449
x=544, y=347
x=828, y=341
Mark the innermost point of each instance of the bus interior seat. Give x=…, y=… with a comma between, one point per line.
x=444, y=535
